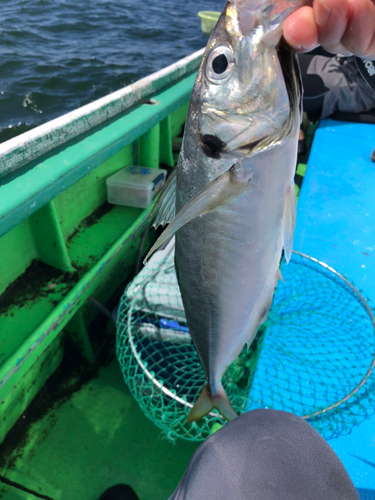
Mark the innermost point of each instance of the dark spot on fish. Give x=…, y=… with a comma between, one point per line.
x=212, y=146
x=365, y=253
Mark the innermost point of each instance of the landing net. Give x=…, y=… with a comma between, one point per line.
x=314, y=356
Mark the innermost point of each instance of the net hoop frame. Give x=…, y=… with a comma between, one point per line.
x=369, y=312
x=182, y=401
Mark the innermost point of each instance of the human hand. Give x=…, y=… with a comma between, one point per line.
x=339, y=26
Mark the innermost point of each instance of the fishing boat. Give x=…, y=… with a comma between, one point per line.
x=65, y=250
x=70, y=427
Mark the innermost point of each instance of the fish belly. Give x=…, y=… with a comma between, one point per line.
x=226, y=264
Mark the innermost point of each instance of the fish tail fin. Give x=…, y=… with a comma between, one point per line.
x=207, y=401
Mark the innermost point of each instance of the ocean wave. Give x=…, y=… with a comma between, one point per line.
x=58, y=55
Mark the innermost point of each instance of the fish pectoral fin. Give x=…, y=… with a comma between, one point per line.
x=217, y=193
x=289, y=221
x=165, y=207
x=207, y=402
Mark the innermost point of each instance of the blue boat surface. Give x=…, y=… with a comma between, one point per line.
x=336, y=224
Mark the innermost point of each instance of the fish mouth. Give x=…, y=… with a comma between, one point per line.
x=251, y=146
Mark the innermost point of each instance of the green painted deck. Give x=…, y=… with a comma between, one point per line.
x=96, y=438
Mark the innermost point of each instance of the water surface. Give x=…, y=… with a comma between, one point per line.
x=57, y=55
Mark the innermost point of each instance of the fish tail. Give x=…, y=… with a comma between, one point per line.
x=208, y=401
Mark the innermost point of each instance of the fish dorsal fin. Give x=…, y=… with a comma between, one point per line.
x=220, y=191
x=289, y=221
x=279, y=276
x=165, y=207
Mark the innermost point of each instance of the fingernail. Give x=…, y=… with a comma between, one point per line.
x=322, y=13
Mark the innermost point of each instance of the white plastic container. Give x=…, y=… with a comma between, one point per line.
x=135, y=186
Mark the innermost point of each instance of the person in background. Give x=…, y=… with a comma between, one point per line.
x=341, y=87
x=342, y=83
x=345, y=27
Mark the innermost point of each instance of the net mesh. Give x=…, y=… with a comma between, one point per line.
x=313, y=357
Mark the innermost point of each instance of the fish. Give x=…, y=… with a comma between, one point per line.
x=231, y=199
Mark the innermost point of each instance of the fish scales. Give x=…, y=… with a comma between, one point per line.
x=233, y=186
x=217, y=268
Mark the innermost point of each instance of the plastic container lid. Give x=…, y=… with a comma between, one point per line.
x=137, y=177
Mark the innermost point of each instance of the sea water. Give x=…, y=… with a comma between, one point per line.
x=57, y=55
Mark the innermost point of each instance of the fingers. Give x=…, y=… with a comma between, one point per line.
x=359, y=33
x=300, y=30
x=340, y=26
x=370, y=52
x=331, y=17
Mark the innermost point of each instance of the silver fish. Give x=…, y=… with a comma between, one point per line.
x=233, y=188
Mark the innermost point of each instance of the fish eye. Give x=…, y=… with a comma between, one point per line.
x=219, y=65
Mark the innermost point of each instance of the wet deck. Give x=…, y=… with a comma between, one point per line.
x=94, y=439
